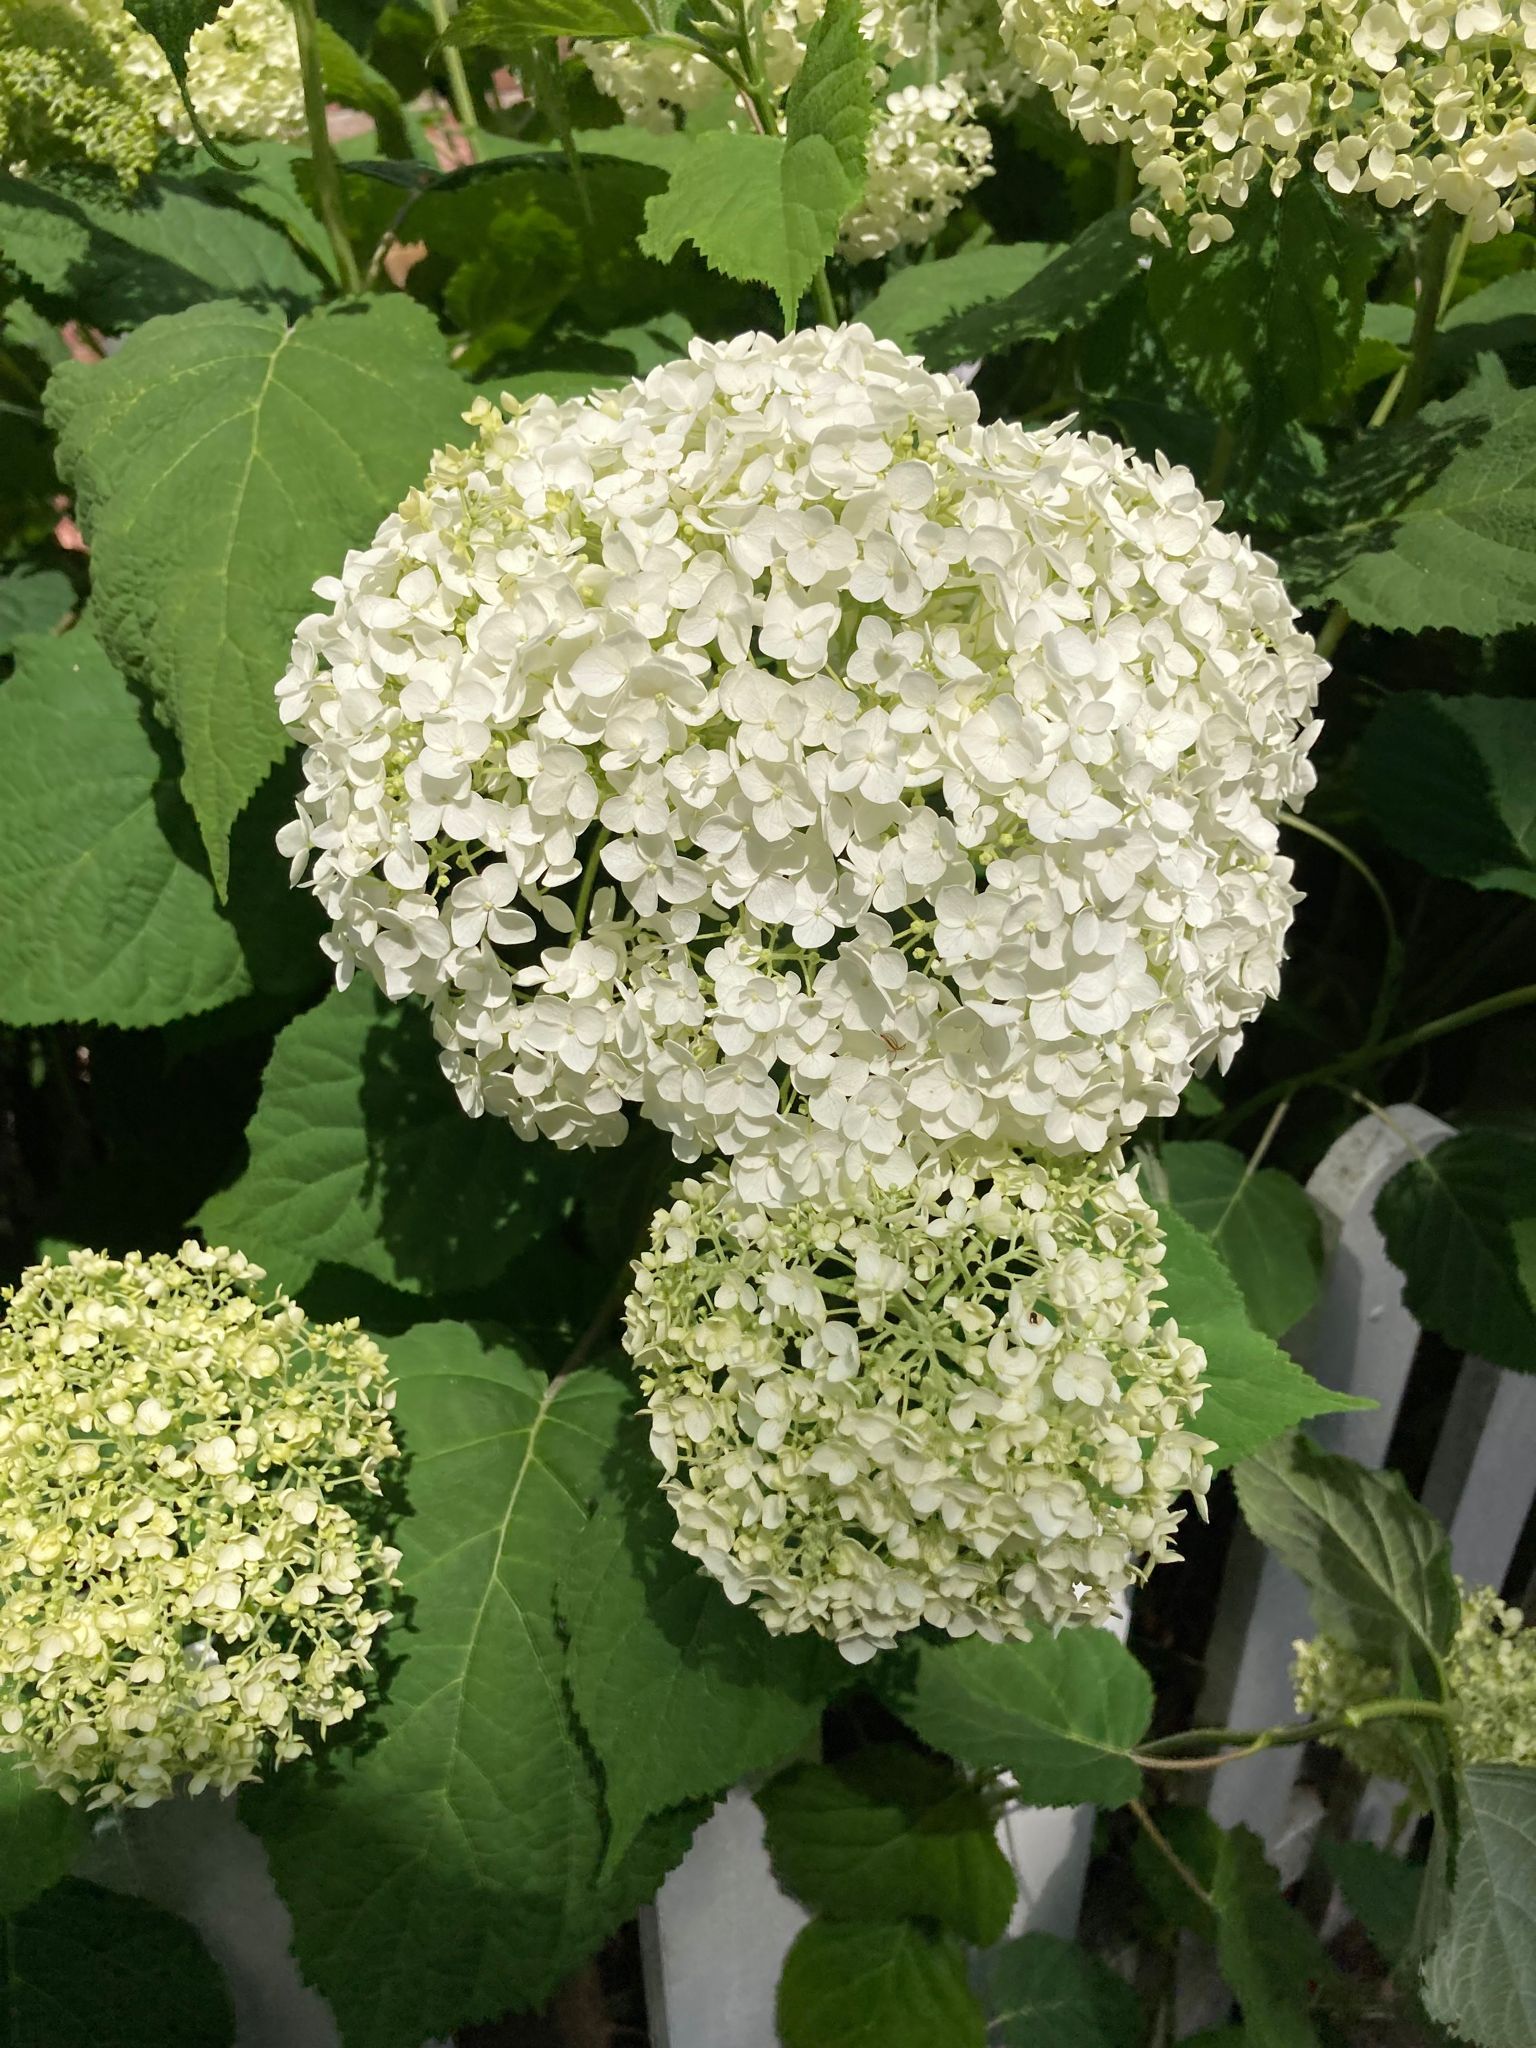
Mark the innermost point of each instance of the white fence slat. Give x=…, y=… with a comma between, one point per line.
x=1482, y=1479
x=1360, y=1339
x=716, y=1936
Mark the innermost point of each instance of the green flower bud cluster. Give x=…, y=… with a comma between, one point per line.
x=65, y=96
x=944, y=1402
x=1490, y=1671
x=190, y=1578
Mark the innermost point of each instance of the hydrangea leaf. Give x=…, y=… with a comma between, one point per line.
x=1061, y=1713
x=1480, y=1976
x=1255, y=1391
x=1061, y=297
x=767, y=208
x=917, y=303
x=1048, y=1993
x=1269, y=1955
x=94, y=829
x=1267, y=322
x=447, y=1869
x=680, y=1693
x=1377, y=1566
x=32, y=601
x=1452, y=1221
x=83, y=1967
x=509, y=24
x=851, y=1984
x=1262, y=1224
x=40, y=1837
x=361, y=1156
x=889, y=1834
x=1451, y=782
x=1380, y=1889
x=173, y=24
x=1433, y=524
x=351, y=81
x=222, y=460
x=88, y=251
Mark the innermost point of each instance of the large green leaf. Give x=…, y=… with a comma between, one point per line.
x=1062, y=1713
x=1266, y=323
x=89, y=251
x=1048, y=1993
x=1380, y=1889
x=1480, y=1975
x=40, y=1837
x=889, y=1834
x=83, y=1967
x=1255, y=1389
x=680, y=1693
x=1262, y=1224
x=1061, y=297
x=1377, y=1566
x=1433, y=523
x=848, y=1984
x=360, y=1155
x=1269, y=1955
x=1451, y=782
x=767, y=208
x=447, y=1870
x=107, y=914
x=509, y=24
x=921, y=301
x=222, y=461
x=1452, y=1222
x=32, y=601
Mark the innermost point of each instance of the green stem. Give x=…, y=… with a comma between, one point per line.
x=589, y=880
x=1434, y=263
x=1234, y=1744
x=327, y=171
x=1171, y=1855
x=826, y=310
x=1392, y=964
x=549, y=97
x=1388, y=1049
x=465, y=110
x=1335, y=626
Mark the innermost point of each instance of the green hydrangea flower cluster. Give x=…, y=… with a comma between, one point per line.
x=1490, y=1672
x=945, y=1402
x=65, y=96
x=190, y=1587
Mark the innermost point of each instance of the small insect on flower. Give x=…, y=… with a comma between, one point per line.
x=948, y=1403
x=191, y=1579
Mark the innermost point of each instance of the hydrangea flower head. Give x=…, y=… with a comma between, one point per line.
x=242, y=70
x=1420, y=104
x=188, y=1586
x=65, y=97
x=769, y=731
x=1490, y=1671
x=946, y=1403
x=944, y=58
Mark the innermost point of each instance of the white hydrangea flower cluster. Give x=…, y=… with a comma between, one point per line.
x=1419, y=102
x=767, y=731
x=242, y=70
x=946, y=1403
x=924, y=156
x=1490, y=1671
x=186, y=1587
x=927, y=149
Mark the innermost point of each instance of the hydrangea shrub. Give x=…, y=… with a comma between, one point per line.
x=910, y=765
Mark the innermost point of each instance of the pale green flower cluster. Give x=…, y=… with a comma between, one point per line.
x=943, y=61
x=190, y=1585
x=1490, y=1672
x=80, y=80
x=1417, y=102
x=945, y=1402
x=65, y=96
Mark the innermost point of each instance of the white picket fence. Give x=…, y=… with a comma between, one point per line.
x=716, y=1936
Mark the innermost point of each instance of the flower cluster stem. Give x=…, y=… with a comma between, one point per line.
x=1232, y=1745
x=327, y=171
x=465, y=111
